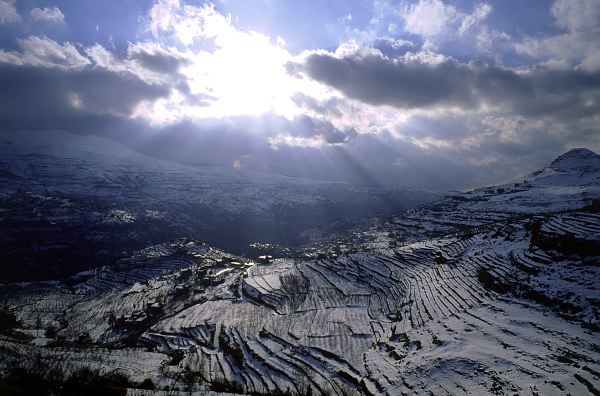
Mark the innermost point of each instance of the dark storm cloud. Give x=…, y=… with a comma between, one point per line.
x=380, y=81
x=412, y=83
x=158, y=62
x=37, y=97
x=566, y=94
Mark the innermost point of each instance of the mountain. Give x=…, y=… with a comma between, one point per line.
x=492, y=291
x=83, y=201
x=569, y=183
x=579, y=162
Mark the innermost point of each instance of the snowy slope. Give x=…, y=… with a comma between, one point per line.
x=569, y=183
x=563, y=184
x=464, y=296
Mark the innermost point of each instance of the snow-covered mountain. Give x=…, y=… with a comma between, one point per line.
x=494, y=291
x=81, y=201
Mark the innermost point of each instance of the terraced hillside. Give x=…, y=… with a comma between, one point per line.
x=492, y=292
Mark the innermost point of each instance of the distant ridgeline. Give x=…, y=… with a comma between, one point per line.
x=71, y=203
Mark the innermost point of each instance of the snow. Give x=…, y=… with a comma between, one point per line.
x=492, y=291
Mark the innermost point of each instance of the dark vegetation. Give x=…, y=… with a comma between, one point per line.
x=36, y=230
x=231, y=350
x=565, y=244
x=8, y=320
x=562, y=306
x=85, y=381
x=226, y=386
x=593, y=207
x=490, y=282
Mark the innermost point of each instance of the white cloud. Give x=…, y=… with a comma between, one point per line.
x=489, y=40
x=240, y=162
x=44, y=52
x=429, y=17
x=13, y=58
x=104, y=58
x=295, y=141
x=162, y=16
x=150, y=61
x=8, y=12
x=187, y=22
x=352, y=48
x=480, y=13
x=577, y=15
x=397, y=43
x=49, y=14
x=580, y=44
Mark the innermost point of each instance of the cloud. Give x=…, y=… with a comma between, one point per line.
x=103, y=58
x=480, y=13
x=48, y=85
x=577, y=15
x=284, y=139
x=155, y=65
x=36, y=97
x=304, y=131
x=240, y=162
x=255, y=142
x=186, y=22
x=431, y=18
x=404, y=83
x=149, y=61
x=327, y=107
x=579, y=44
x=156, y=58
x=8, y=12
x=48, y=14
x=423, y=81
x=44, y=52
x=323, y=130
x=227, y=71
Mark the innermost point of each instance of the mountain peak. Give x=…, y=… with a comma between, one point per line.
x=578, y=152
x=578, y=159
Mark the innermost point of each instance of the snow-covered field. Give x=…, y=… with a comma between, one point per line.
x=494, y=291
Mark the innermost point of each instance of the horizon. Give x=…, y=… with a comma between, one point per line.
x=241, y=171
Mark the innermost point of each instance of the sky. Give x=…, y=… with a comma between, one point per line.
x=422, y=93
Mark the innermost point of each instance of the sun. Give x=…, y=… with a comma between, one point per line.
x=227, y=71
x=235, y=72
x=245, y=74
